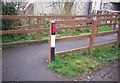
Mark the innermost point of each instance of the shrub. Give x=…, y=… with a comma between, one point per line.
x=8, y=9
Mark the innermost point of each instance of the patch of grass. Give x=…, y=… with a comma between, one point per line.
x=23, y=37
x=79, y=31
x=18, y=37
x=76, y=63
x=62, y=33
x=44, y=35
x=106, y=54
x=104, y=28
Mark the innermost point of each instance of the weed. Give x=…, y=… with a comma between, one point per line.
x=18, y=37
x=44, y=35
x=104, y=28
x=76, y=63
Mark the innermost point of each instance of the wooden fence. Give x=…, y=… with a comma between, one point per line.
x=84, y=19
x=94, y=24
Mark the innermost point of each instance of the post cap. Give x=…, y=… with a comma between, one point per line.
x=52, y=21
x=94, y=18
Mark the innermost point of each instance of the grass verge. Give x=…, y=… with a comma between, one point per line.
x=76, y=63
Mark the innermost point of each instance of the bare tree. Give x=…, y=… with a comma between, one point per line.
x=62, y=8
x=68, y=6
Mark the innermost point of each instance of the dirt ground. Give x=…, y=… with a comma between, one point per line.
x=107, y=72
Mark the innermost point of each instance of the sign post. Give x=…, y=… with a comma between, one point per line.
x=51, y=55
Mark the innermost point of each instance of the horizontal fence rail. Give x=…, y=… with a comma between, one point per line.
x=73, y=21
x=20, y=17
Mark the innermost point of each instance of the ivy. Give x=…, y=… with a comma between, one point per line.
x=8, y=8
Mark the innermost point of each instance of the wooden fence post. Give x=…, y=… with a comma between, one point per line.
x=72, y=27
x=39, y=29
x=92, y=35
x=106, y=17
x=111, y=21
x=114, y=26
x=118, y=34
x=49, y=42
x=96, y=24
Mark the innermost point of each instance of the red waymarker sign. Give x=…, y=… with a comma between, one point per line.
x=54, y=28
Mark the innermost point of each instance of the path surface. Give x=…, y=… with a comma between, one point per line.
x=28, y=63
